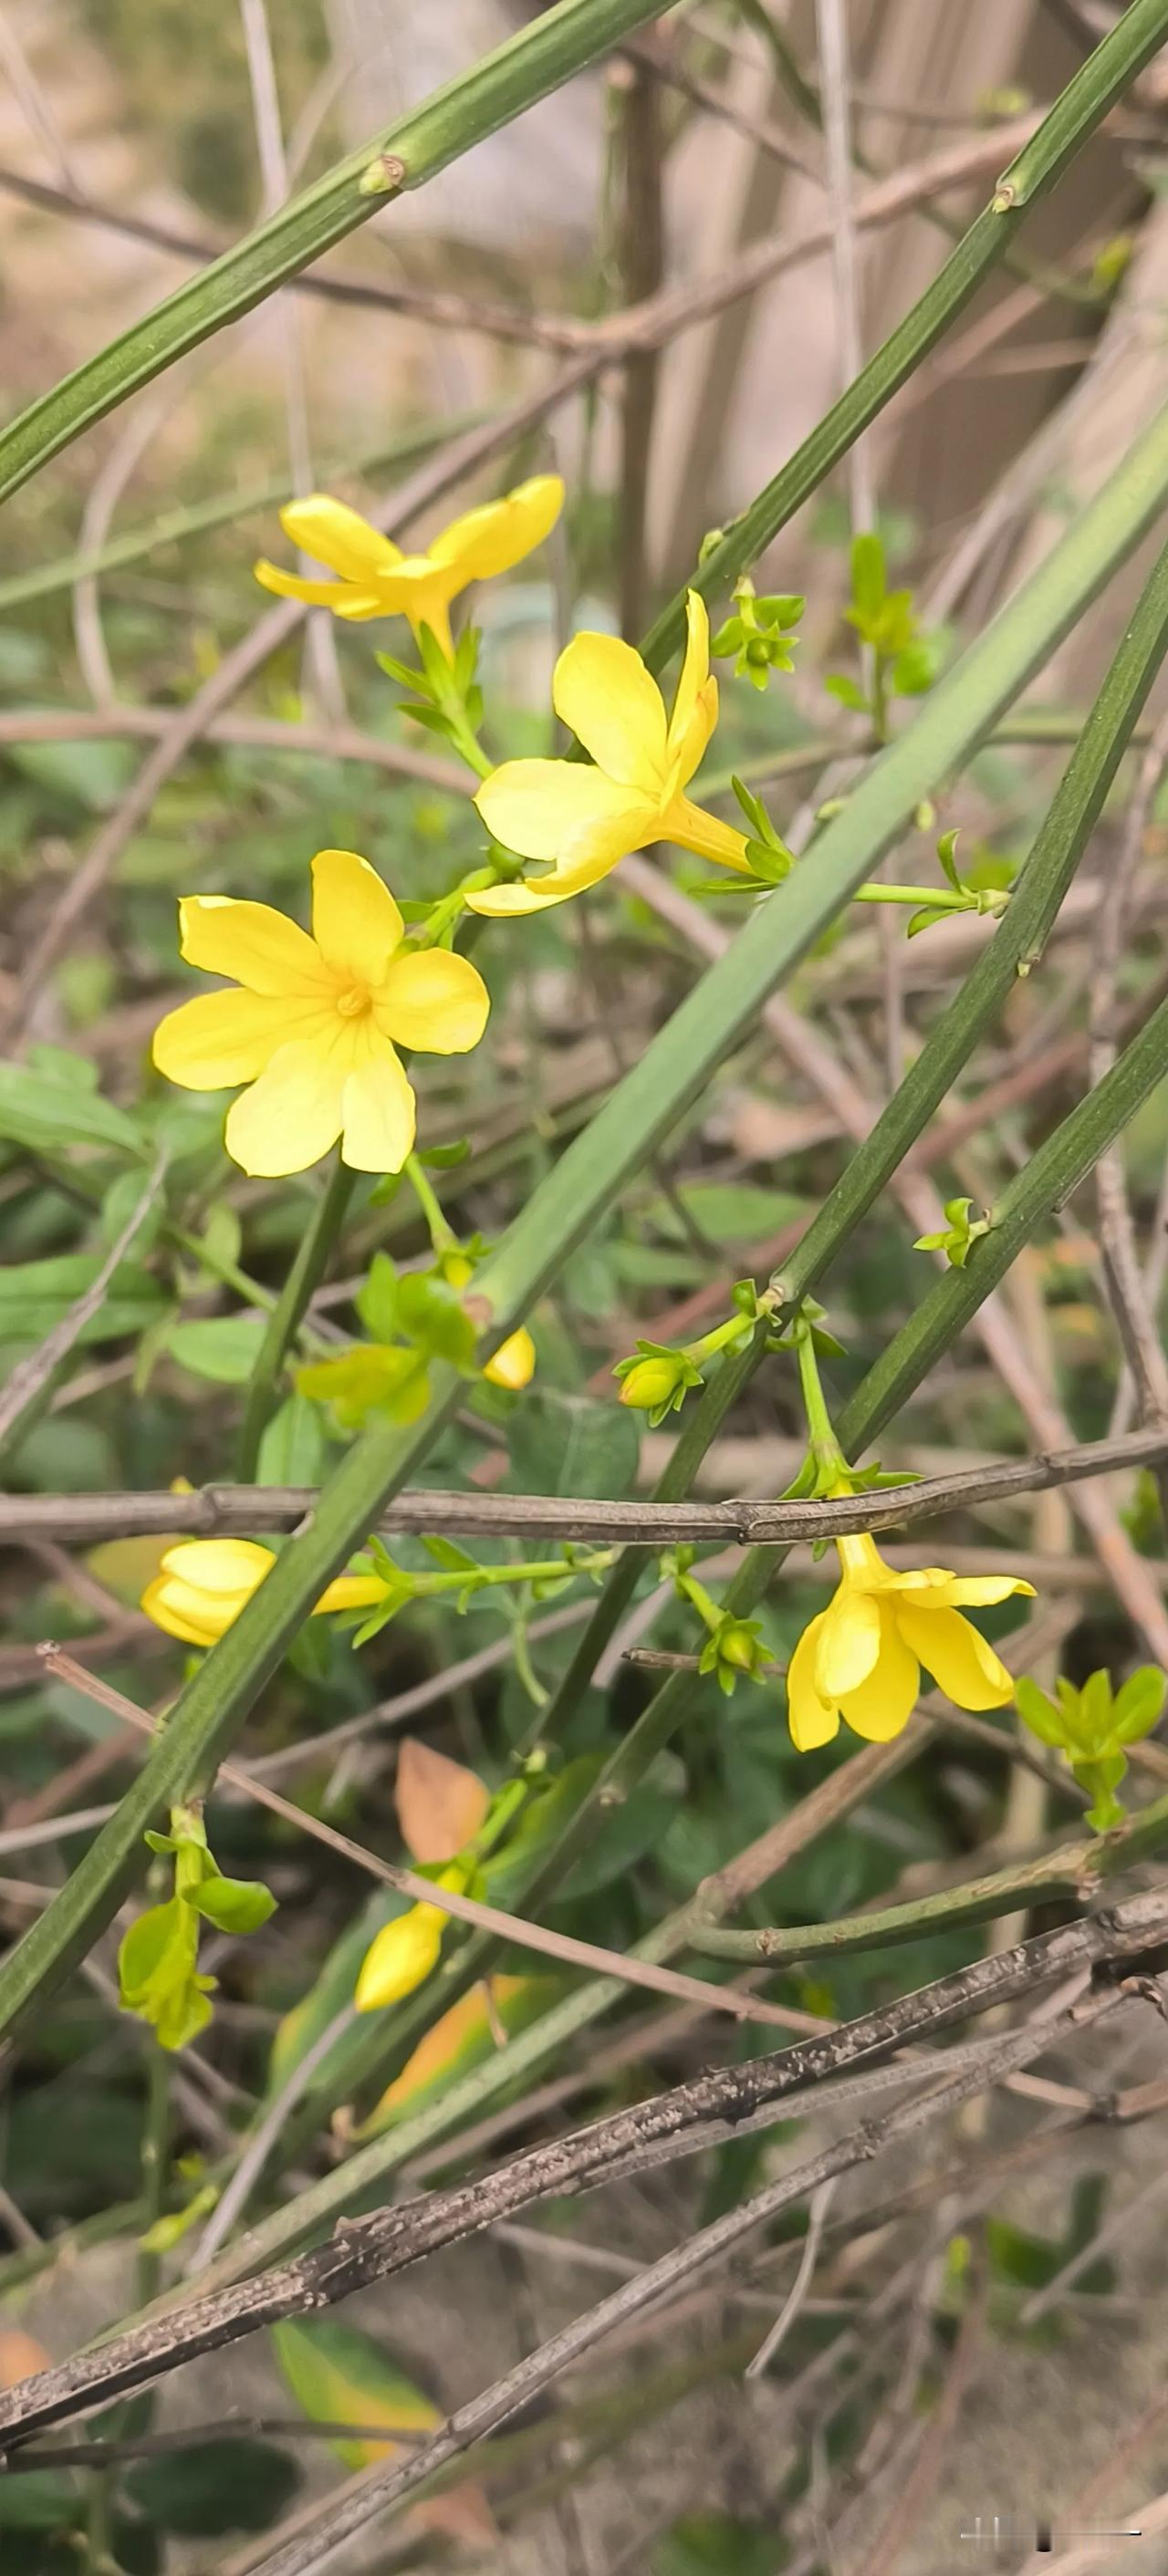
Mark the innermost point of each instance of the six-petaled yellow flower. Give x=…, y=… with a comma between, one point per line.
x=204, y=1584
x=375, y=579
x=311, y=1028
x=586, y=818
x=861, y=1658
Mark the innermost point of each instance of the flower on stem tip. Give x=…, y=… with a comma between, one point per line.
x=311, y=1028
x=860, y=1658
x=375, y=579
x=585, y=816
x=203, y=1585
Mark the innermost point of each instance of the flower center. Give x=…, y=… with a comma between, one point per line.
x=354, y=1003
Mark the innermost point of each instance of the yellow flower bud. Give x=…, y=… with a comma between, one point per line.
x=650, y=1383
x=513, y=1364
x=403, y=1955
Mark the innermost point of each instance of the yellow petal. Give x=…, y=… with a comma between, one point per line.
x=962, y=1662
x=203, y=1585
x=602, y=689
x=350, y=1592
x=693, y=829
x=812, y=1720
x=339, y=537
x=378, y=1107
x=355, y=921
x=291, y=1116
x=538, y=807
x=695, y=707
x=963, y=1591
x=488, y=541
x=193, y=1617
x=221, y=1039
x=252, y=943
x=219, y=1564
x=884, y=1703
x=434, y=1000
x=513, y=1364
x=343, y=597
x=403, y=1954
x=849, y=1642
x=536, y=894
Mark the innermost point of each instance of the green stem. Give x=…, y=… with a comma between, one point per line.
x=1087, y=99
x=1074, y=1871
x=442, y=1236
x=287, y=1315
x=155, y=2161
x=540, y=58
x=1016, y=947
x=825, y=1450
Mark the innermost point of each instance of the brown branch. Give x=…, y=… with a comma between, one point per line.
x=661, y=2281
x=446, y=312
x=218, y=1510
x=722, y=2103
x=249, y=733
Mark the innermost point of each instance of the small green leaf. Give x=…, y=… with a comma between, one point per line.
x=223, y=1348
x=1138, y=1704
x=43, y=1112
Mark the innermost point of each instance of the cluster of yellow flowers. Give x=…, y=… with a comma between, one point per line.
x=314, y=1023
x=311, y=1026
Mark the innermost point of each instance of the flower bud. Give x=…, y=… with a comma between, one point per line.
x=650, y=1382
x=403, y=1955
x=513, y=1364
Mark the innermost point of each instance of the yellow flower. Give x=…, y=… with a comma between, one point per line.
x=587, y=818
x=312, y=1030
x=405, y=1952
x=861, y=1658
x=377, y=580
x=206, y=1582
x=513, y=1364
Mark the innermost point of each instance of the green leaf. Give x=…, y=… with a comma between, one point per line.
x=231, y=2484
x=376, y=1301
x=39, y=2500
x=869, y=578
x=224, y=1348
x=1041, y=1716
x=716, y=2544
x=850, y=694
x=36, y=1296
x=946, y=847
x=569, y=1444
x=42, y=1113
x=339, y=2375
x=1138, y=1704
x=293, y=1448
